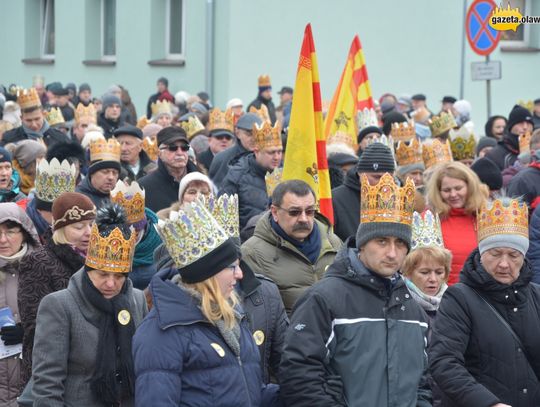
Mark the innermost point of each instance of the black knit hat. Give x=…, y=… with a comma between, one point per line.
x=488, y=172
x=71, y=151
x=392, y=117
x=210, y=264
x=485, y=142
x=517, y=115
x=366, y=130
x=376, y=158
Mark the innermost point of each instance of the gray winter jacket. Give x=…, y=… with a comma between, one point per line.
x=65, y=346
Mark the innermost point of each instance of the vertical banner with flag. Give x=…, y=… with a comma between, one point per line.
x=305, y=156
x=352, y=94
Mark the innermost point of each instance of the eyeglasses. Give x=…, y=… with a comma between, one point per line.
x=294, y=213
x=10, y=233
x=173, y=148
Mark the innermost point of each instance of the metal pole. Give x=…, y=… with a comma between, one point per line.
x=462, y=74
x=209, y=71
x=488, y=92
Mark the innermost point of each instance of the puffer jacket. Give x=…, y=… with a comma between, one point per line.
x=505, y=152
x=10, y=373
x=246, y=178
x=346, y=203
x=361, y=330
x=269, y=254
x=183, y=360
x=474, y=359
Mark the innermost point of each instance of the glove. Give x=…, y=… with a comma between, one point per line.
x=12, y=335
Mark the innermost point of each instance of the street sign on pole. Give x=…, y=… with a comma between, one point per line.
x=483, y=39
x=485, y=71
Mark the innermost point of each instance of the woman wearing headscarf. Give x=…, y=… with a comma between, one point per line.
x=82, y=345
x=18, y=238
x=49, y=269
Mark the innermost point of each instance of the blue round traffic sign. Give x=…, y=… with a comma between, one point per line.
x=482, y=38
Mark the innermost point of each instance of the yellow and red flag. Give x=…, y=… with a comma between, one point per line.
x=305, y=156
x=352, y=94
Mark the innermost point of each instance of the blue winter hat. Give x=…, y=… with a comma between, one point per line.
x=5, y=155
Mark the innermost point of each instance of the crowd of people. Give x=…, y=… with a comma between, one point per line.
x=163, y=260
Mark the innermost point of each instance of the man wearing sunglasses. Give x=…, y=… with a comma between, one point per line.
x=173, y=164
x=290, y=245
x=218, y=141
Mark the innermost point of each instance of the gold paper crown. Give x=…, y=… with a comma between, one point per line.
x=221, y=120
x=426, y=231
x=463, y=148
x=192, y=126
x=404, y=131
x=264, y=80
x=86, y=112
x=420, y=115
x=143, y=122
x=529, y=104
x=27, y=98
x=112, y=253
x=272, y=180
x=409, y=154
x=53, y=178
x=262, y=113
x=160, y=107
x=436, y=152
x=54, y=116
x=366, y=118
x=267, y=136
x=525, y=143
x=105, y=150
x=225, y=210
x=342, y=138
x=441, y=123
x=386, y=201
x=191, y=233
x=131, y=198
x=503, y=218
x=151, y=148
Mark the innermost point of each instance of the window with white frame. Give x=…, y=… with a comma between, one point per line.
x=174, y=29
x=108, y=29
x=47, y=29
x=520, y=37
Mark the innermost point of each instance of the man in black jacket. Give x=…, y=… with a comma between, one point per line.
x=134, y=160
x=110, y=117
x=357, y=337
x=264, y=97
x=505, y=154
x=374, y=162
x=161, y=186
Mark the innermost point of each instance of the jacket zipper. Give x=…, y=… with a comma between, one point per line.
x=244, y=378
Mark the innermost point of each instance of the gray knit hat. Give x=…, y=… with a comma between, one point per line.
x=403, y=170
x=376, y=158
x=373, y=230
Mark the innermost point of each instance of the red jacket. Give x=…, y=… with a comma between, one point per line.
x=459, y=235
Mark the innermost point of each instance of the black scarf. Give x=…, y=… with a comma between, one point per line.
x=113, y=378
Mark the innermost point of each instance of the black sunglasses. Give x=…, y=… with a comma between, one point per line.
x=173, y=148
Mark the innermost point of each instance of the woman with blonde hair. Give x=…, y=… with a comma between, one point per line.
x=195, y=347
x=455, y=193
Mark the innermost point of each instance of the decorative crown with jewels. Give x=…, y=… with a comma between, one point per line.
x=426, y=231
x=272, y=180
x=131, y=198
x=366, y=118
x=409, y=154
x=160, y=107
x=386, y=201
x=151, y=148
x=341, y=137
x=110, y=252
x=264, y=80
x=54, y=116
x=441, y=123
x=53, y=178
x=225, y=210
x=86, y=112
x=503, y=217
x=191, y=233
x=262, y=113
x=463, y=148
x=105, y=150
x=266, y=136
x=436, y=152
x=27, y=98
x=403, y=131
x=219, y=120
x=192, y=126
x=525, y=143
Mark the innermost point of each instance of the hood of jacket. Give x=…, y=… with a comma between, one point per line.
x=11, y=211
x=86, y=187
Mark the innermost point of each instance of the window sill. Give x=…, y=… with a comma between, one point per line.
x=520, y=49
x=98, y=62
x=38, y=61
x=167, y=62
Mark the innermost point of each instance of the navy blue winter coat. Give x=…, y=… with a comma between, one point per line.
x=182, y=360
x=533, y=254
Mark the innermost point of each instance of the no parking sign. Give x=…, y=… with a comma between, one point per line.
x=482, y=38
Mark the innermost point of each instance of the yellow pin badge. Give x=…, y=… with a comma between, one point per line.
x=259, y=337
x=124, y=317
x=219, y=350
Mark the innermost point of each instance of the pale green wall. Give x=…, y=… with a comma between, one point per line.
x=409, y=47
